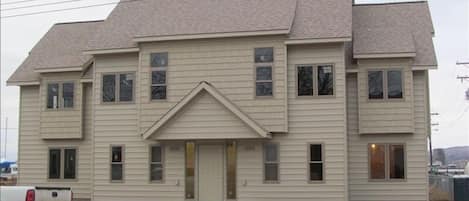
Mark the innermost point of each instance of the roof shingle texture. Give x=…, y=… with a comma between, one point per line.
x=61, y=47
x=187, y=17
x=394, y=28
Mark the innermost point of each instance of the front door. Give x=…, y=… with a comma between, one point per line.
x=210, y=172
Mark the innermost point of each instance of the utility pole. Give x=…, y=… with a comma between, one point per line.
x=430, y=138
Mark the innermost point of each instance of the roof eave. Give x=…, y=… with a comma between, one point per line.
x=22, y=83
x=384, y=55
x=317, y=40
x=112, y=51
x=59, y=69
x=140, y=39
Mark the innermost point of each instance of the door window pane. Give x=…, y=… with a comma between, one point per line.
x=68, y=89
x=396, y=162
x=377, y=161
x=394, y=84
x=53, y=95
x=375, y=85
x=70, y=163
x=109, y=88
x=264, y=55
x=325, y=80
x=126, y=82
x=305, y=81
x=231, y=170
x=190, y=170
x=54, y=164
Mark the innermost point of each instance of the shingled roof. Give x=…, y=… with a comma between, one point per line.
x=131, y=21
x=60, y=48
x=394, y=29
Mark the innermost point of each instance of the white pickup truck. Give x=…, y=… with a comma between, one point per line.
x=31, y=193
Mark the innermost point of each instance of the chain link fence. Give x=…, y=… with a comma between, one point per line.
x=441, y=188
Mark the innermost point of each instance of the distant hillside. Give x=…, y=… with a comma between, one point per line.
x=452, y=155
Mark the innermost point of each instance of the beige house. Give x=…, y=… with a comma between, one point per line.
x=248, y=100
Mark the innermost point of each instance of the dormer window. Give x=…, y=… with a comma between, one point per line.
x=378, y=79
x=60, y=95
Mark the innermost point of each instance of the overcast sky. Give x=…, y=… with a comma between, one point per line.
x=451, y=21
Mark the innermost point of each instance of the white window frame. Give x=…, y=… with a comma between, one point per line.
x=387, y=162
x=265, y=162
x=151, y=162
x=117, y=87
x=60, y=97
x=385, y=84
x=316, y=162
x=315, y=74
x=122, y=162
x=159, y=69
x=264, y=64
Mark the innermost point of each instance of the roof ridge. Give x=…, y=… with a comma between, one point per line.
x=77, y=22
x=391, y=3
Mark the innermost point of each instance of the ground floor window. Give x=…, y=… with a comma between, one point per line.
x=156, y=163
x=117, y=163
x=271, y=162
x=316, y=162
x=62, y=163
x=386, y=161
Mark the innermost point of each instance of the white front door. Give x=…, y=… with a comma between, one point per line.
x=210, y=172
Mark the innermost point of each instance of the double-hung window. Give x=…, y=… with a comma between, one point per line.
x=385, y=84
x=271, y=162
x=315, y=80
x=386, y=161
x=264, y=58
x=316, y=162
x=118, y=87
x=159, y=65
x=156, y=163
x=117, y=163
x=65, y=90
x=62, y=163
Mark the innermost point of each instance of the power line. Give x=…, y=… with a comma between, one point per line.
x=66, y=9
x=17, y=2
x=40, y=5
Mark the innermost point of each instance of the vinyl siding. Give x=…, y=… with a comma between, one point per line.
x=117, y=124
x=33, y=151
x=385, y=116
x=227, y=64
x=310, y=120
x=196, y=121
x=61, y=123
x=415, y=186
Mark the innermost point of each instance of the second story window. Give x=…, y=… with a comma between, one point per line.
x=118, y=87
x=159, y=65
x=60, y=95
x=264, y=58
x=315, y=80
x=385, y=84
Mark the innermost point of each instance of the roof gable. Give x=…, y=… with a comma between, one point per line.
x=205, y=87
